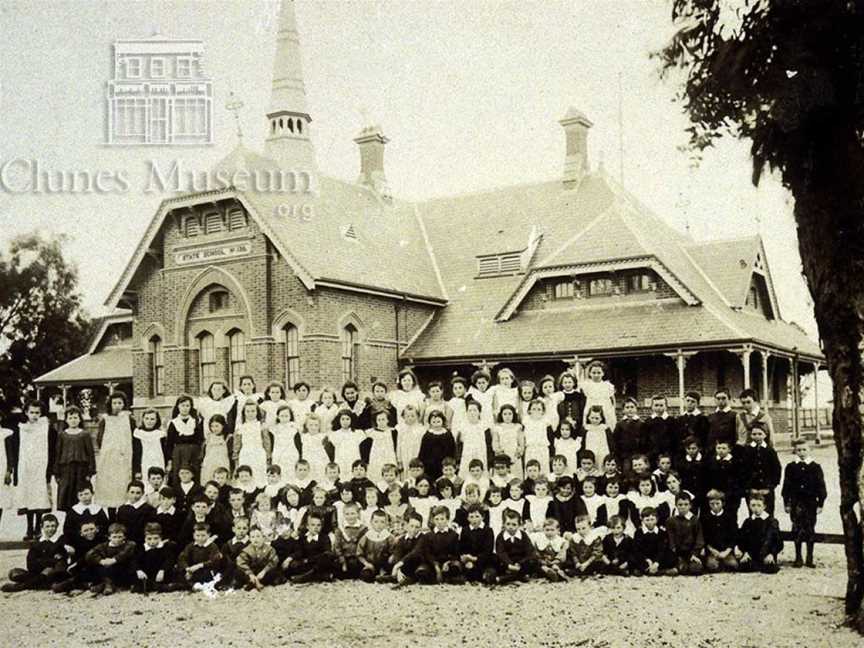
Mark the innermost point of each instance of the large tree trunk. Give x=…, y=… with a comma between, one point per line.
x=830, y=218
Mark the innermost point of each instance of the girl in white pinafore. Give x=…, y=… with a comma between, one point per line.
x=32, y=490
x=409, y=436
x=151, y=436
x=285, y=452
x=383, y=451
x=114, y=461
x=250, y=437
x=5, y=473
x=217, y=401
x=407, y=392
x=312, y=440
x=346, y=444
x=599, y=392
x=535, y=427
x=505, y=392
x=326, y=409
x=480, y=392
x=274, y=400
x=473, y=440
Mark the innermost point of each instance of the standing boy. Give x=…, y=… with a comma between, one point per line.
x=722, y=422
x=803, y=498
x=760, y=466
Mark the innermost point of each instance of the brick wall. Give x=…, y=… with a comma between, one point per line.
x=275, y=297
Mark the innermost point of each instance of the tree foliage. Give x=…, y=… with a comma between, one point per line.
x=42, y=324
x=788, y=76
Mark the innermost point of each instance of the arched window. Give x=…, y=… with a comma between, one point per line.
x=349, y=353
x=206, y=360
x=291, y=125
x=157, y=360
x=299, y=125
x=236, y=357
x=292, y=354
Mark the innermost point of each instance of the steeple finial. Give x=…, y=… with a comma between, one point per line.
x=288, y=141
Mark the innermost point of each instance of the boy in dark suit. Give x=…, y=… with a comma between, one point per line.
x=627, y=438
x=803, y=498
x=723, y=473
x=722, y=422
x=720, y=532
x=660, y=431
x=760, y=466
x=618, y=548
x=112, y=561
x=759, y=539
x=46, y=561
x=314, y=559
x=517, y=558
x=692, y=422
x=154, y=562
x=685, y=537
x=651, y=554
x=135, y=513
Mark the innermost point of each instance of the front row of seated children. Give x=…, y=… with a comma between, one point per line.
x=443, y=553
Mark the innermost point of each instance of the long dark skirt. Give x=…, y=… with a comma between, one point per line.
x=73, y=476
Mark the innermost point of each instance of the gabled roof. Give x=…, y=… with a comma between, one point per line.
x=729, y=263
x=389, y=253
x=598, y=223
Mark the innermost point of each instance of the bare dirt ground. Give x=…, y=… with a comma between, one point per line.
x=795, y=608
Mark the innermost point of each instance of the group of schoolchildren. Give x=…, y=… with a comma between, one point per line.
x=246, y=490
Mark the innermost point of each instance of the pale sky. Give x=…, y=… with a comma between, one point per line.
x=469, y=94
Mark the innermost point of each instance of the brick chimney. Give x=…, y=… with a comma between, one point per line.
x=371, y=141
x=575, y=125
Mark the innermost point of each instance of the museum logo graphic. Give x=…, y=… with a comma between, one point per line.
x=160, y=95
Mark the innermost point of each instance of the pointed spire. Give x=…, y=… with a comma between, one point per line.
x=288, y=141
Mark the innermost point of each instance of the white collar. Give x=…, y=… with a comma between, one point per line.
x=725, y=410
x=728, y=457
x=698, y=457
x=763, y=516
x=720, y=514
x=92, y=508
x=188, y=486
x=753, y=444
x=168, y=511
x=755, y=411
x=159, y=546
x=664, y=415
x=136, y=505
x=77, y=430
x=695, y=412
x=436, y=530
x=689, y=515
x=184, y=428
x=54, y=538
x=655, y=530
x=806, y=460
x=513, y=537
x=378, y=536
x=311, y=538
x=479, y=527
x=633, y=417
x=235, y=540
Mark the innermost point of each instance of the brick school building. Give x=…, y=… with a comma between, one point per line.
x=332, y=280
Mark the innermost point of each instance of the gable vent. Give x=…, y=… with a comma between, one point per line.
x=499, y=264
